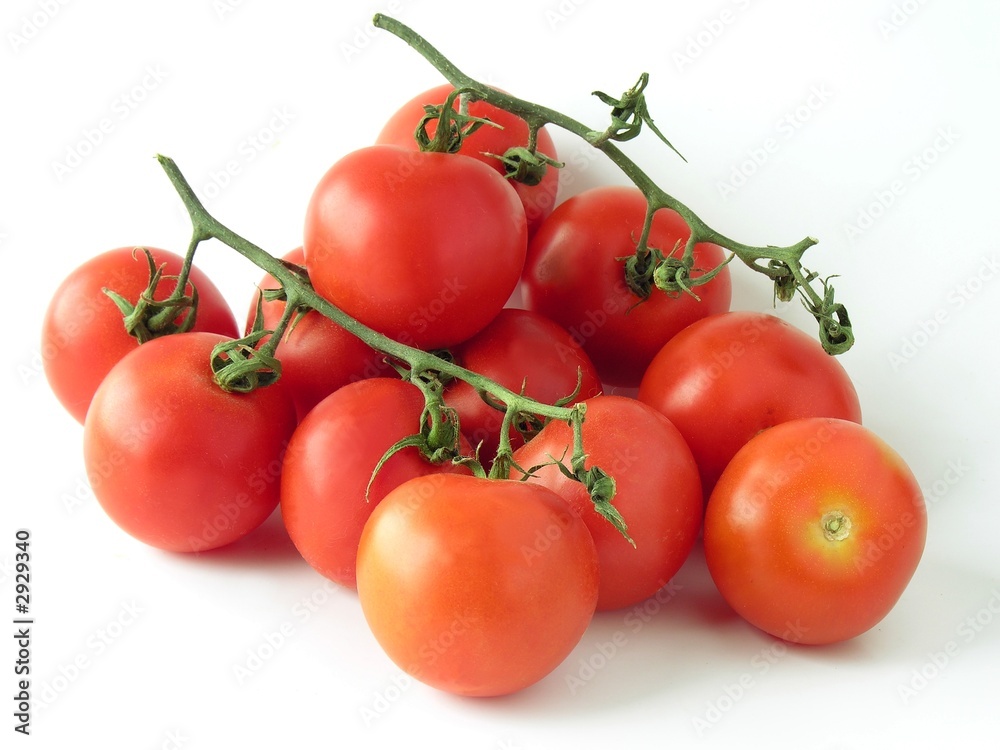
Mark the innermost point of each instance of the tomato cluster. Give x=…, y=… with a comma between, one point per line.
x=742, y=428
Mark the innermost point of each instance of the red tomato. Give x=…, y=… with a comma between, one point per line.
x=474, y=586
x=317, y=356
x=657, y=492
x=519, y=348
x=329, y=463
x=814, y=530
x=423, y=247
x=726, y=378
x=573, y=276
x=538, y=200
x=83, y=335
x=174, y=460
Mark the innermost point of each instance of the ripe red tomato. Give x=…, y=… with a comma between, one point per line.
x=474, y=586
x=538, y=200
x=727, y=377
x=519, y=348
x=329, y=463
x=317, y=356
x=423, y=247
x=657, y=492
x=814, y=530
x=573, y=276
x=83, y=335
x=174, y=460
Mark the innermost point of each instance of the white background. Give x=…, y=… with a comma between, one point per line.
x=861, y=100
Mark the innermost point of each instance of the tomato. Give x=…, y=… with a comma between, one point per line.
x=814, y=530
x=729, y=376
x=574, y=276
x=329, y=463
x=317, y=356
x=538, y=200
x=518, y=349
x=423, y=247
x=658, y=493
x=174, y=460
x=83, y=335
x=476, y=587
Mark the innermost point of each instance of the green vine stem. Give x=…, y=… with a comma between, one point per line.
x=424, y=368
x=650, y=266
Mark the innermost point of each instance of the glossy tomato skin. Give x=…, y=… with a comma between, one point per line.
x=777, y=543
x=174, y=460
x=538, y=200
x=317, y=356
x=518, y=349
x=330, y=460
x=729, y=376
x=83, y=335
x=476, y=587
x=573, y=276
x=423, y=247
x=658, y=493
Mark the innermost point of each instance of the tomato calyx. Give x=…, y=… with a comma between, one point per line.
x=439, y=437
x=600, y=485
x=836, y=526
x=525, y=165
x=240, y=365
x=148, y=318
x=628, y=114
x=452, y=126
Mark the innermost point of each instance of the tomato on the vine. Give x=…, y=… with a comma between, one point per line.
x=814, y=530
x=425, y=248
x=474, y=586
x=574, y=274
x=83, y=335
x=486, y=144
x=329, y=463
x=176, y=461
x=519, y=349
x=658, y=493
x=725, y=378
x=317, y=356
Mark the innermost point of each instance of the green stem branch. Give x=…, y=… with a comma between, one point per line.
x=302, y=295
x=783, y=264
